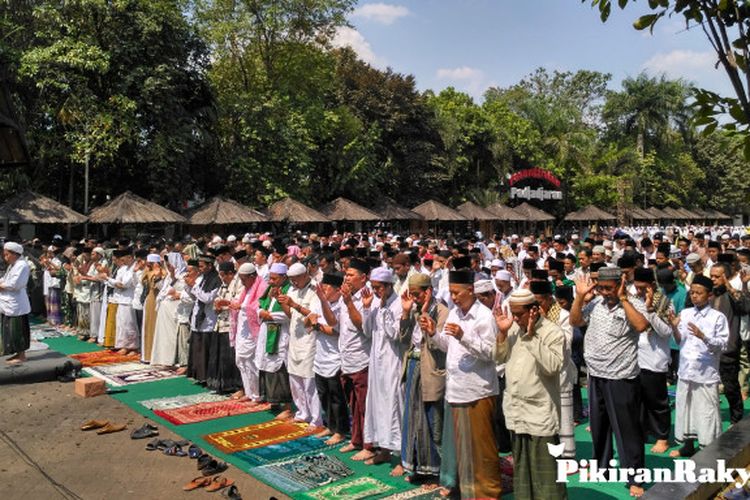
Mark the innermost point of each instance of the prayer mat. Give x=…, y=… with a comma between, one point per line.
x=105, y=357
x=303, y=473
x=208, y=411
x=129, y=373
x=362, y=487
x=284, y=451
x=417, y=494
x=182, y=400
x=255, y=436
x=37, y=346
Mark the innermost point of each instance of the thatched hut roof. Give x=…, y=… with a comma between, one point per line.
x=533, y=214
x=342, y=209
x=657, y=214
x=699, y=212
x=688, y=214
x=433, y=211
x=472, y=211
x=673, y=213
x=129, y=208
x=390, y=210
x=636, y=213
x=220, y=210
x=505, y=213
x=289, y=210
x=32, y=208
x=716, y=215
x=589, y=213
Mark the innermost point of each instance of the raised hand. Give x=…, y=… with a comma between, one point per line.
x=367, y=297
x=427, y=300
x=674, y=319
x=622, y=290
x=696, y=331
x=320, y=292
x=533, y=317
x=427, y=324
x=346, y=293
x=649, y=297
x=454, y=330
x=503, y=321
x=284, y=300
x=584, y=285
x=407, y=300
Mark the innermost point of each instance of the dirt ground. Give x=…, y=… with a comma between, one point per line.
x=44, y=455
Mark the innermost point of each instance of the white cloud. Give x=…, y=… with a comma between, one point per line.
x=471, y=80
x=382, y=13
x=349, y=37
x=688, y=64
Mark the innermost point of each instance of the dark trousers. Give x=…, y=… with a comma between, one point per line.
x=729, y=371
x=355, y=388
x=502, y=434
x=655, y=412
x=197, y=366
x=578, y=415
x=139, y=320
x=614, y=407
x=333, y=402
x=674, y=365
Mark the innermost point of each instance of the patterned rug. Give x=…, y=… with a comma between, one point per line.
x=129, y=373
x=417, y=494
x=208, y=411
x=182, y=400
x=43, y=331
x=255, y=436
x=284, y=451
x=303, y=473
x=361, y=487
x=106, y=357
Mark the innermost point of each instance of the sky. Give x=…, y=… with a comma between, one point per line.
x=475, y=44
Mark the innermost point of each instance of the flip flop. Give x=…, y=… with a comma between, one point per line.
x=175, y=451
x=194, y=451
x=94, y=424
x=145, y=431
x=204, y=460
x=218, y=483
x=232, y=493
x=110, y=428
x=154, y=444
x=198, y=482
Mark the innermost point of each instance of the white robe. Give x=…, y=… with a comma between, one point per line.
x=301, y=353
x=272, y=362
x=385, y=396
x=164, y=348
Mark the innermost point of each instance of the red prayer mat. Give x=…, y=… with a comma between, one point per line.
x=255, y=436
x=208, y=411
x=105, y=357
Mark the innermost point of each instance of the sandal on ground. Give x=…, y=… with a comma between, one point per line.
x=110, y=428
x=204, y=460
x=154, y=444
x=218, y=483
x=145, y=431
x=194, y=451
x=198, y=482
x=94, y=424
x=232, y=493
x=214, y=467
x=175, y=451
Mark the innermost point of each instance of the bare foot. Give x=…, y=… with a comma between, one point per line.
x=430, y=486
x=675, y=454
x=122, y=352
x=335, y=439
x=238, y=395
x=660, y=446
x=397, y=471
x=284, y=415
x=324, y=433
x=92, y=340
x=181, y=370
x=381, y=457
x=15, y=361
x=348, y=448
x=588, y=428
x=636, y=491
x=363, y=455
x=445, y=492
x=299, y=421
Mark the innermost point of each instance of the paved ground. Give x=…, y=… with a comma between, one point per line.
x=44, y=456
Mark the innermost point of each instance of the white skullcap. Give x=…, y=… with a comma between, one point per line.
x=266, y=243
x=514, y=237
x=692, y=258
x=247, y=268
x=14, y=247
x=503, y=275
x=574, y=236
x=278, y=268
x=247, y=238
x=382, y=274
x=217, y=239
x=598, y=249
x=491, y=245
x=153, y=258
x=296, y=269
x=231, y=238
x=99, y=250
x=522, y=296
x=497, y=263
x=483, y=286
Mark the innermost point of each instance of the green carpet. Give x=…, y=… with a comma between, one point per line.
x=194, y=432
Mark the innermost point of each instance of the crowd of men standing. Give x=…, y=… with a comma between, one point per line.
x=437, y=355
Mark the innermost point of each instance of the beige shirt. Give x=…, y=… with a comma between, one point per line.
x=531, y=402
x=301, y=353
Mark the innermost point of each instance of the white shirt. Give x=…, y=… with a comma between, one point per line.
x=470, y=362
x=203, y=300
x=125, y=277
x=653, y=344
x=699, y=359
x=301, y=353
x=327, y=357
x=14, y=301
x=354, y=345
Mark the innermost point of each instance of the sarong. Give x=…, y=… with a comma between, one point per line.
x=222, y=374
x=422, y=427
x=198, y=356
x=95, y=315
x=535, y=470
x=183, y=344
x=83, y=317
x=697, y=412
x=110, y=327
x=276, y=384
x=127, y=331
x=15, y=334
x=148, y=326
x=54, y=316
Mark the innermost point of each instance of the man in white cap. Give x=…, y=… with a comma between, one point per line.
x=273, y=341
x=248, y=326
x=385, y=396
x=127, y=337
x=297, y=305
x=503, y=285
x=15, y=334
x=531, y=346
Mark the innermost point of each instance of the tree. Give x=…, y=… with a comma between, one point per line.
x=726, y=24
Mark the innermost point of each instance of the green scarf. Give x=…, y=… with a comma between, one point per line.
x=273, y=330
